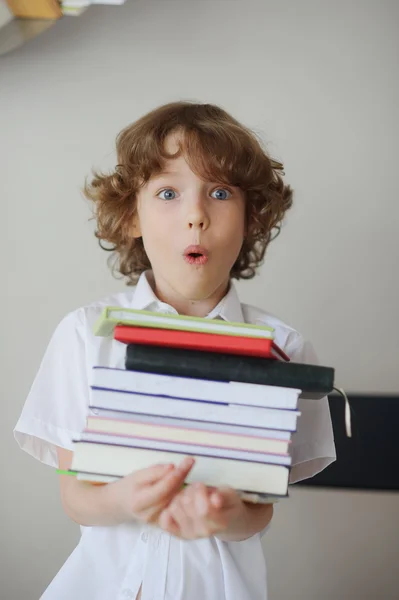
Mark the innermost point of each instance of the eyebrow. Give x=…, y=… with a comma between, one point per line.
x=164, y=174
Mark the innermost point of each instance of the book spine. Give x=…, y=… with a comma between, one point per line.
x=192, y=363
x=197, y=389
x=208, y=342
x=186, y=448
x=190, y=409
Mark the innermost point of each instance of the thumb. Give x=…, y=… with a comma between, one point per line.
x=224, y=497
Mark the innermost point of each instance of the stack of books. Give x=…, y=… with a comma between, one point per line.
x=221, y=392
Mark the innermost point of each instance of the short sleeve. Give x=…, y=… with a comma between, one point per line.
x=313, y=447
x=55, y=410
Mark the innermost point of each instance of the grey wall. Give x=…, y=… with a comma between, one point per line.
x=319, y=81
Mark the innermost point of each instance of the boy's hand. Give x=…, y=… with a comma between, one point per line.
x=144, y=494
x=198, y=511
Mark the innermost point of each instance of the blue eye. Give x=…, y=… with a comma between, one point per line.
x=221, y=194
x=167, y=194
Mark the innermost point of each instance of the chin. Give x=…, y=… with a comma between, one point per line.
x=195, y=293
x=200, y=288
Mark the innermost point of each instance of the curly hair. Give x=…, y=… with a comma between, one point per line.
x=217, y=148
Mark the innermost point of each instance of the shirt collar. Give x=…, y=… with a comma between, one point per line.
x=228, y=309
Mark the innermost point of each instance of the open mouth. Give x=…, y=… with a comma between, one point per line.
x=196, y=255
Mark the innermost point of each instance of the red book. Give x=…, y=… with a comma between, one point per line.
x=208, y=342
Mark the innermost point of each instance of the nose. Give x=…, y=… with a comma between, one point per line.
x=197, y=213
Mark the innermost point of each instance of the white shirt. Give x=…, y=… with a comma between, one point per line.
x=110, y=563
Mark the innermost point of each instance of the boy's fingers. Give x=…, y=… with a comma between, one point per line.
x=216, y=500
x=188, y=501
x=152, y=474
x=167, y=522
x=156, y=472
x=182, y=470
x=167, y=485
x=201, y=499
x=226, y=497
x=186, y=465
x=180, y=516
x=196, y=499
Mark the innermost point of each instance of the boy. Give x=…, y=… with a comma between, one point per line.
x=191, y=205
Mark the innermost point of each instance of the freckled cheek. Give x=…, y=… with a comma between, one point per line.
x=154, y=225
x=234, y=228
x=159, y=240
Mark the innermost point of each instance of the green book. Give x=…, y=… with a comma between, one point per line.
x=117, y=315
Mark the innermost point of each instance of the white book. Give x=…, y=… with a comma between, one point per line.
x=201, y=436
x=182, y=448
x=233, y=392
x=221, y=428
x=251, y=416
x=262, y=478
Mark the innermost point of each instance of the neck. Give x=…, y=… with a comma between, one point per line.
x=186, y=306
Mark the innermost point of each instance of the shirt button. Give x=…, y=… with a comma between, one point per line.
x=160, y=537
x=144, y=537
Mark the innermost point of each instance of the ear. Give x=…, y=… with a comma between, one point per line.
x=136, y=229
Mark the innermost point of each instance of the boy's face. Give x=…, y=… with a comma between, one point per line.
x=177, y=209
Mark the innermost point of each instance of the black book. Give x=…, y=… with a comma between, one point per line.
x=315, y=381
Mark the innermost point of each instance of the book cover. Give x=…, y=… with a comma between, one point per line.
x=216, y=412
x=315, y=381
x=193, y=340
x=184, y=448
x=134, y=429
x=117, y=460
x=117, y=315
x=232, y=392
x=166, y=421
